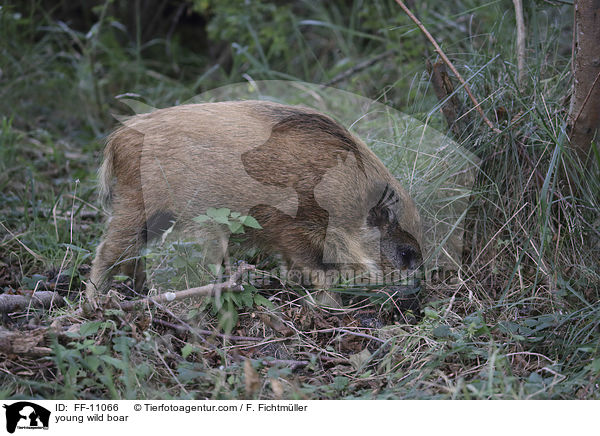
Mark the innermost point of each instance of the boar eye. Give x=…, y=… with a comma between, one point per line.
x=408, y=257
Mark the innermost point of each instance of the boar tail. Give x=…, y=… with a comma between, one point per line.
x=105, y=176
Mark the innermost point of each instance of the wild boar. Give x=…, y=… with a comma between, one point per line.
x=323, y=198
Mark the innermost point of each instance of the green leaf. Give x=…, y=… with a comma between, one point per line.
x=249, y=221
x=228, y=317
x=221, y=220
x=144, y=370
x=89, y=328
x=98, y=349
x=179, y=262
x=340, y=383
x=234, y=297
x=201, y=218
x=358, y=360
x=259, y=300
x=430, y=313
x=442, y=331
x=187, y=350
x=219, y=215
x=123, y=344
x=92, y=362
x=236, y=227
x=534, y=377
x=192, y=314
x=246, y=299
x=211, y=211
x=119, y=364
x=277, y=372
x=186, y=374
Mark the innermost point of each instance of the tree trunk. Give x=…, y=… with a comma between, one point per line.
x=584, y=114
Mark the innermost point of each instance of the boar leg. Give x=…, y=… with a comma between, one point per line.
x=119, y=250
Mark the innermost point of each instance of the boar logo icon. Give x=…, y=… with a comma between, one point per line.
x=24, y=414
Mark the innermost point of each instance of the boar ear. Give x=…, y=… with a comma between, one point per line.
x=383, y=212
x=378, y=217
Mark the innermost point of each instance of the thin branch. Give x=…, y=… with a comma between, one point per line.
x=520, y=42
x=213, y=289
x=439, y=51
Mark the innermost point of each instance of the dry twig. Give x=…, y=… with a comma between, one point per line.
x=233, y=284
x=439, y=51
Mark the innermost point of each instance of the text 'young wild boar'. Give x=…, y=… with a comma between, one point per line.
x=323, y=199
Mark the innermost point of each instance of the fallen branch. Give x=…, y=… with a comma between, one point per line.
x=39, y=299
x=27, y=342
x=439, y=51
x=213, y=289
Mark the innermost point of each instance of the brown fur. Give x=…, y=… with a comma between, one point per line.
x=319, y=193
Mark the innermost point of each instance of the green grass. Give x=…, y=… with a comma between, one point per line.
x=520, y=319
